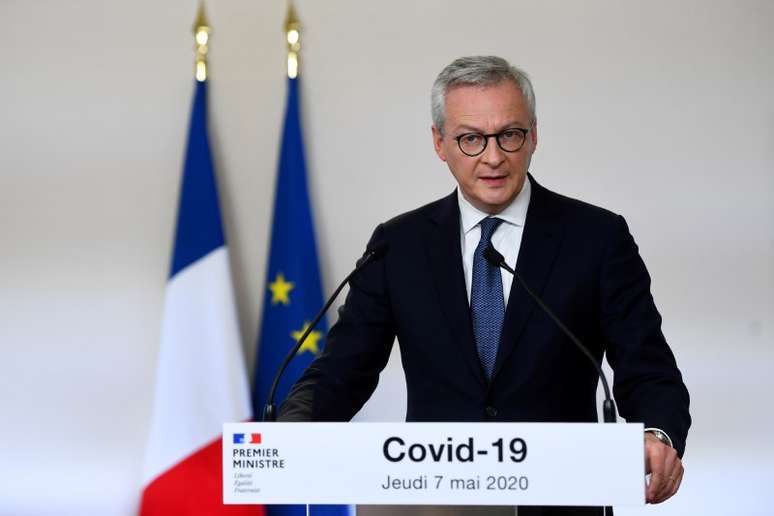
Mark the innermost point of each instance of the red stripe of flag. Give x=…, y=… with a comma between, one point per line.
x=193, y=487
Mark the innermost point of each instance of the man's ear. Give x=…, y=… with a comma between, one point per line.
x=533, y=136
x=437, y=139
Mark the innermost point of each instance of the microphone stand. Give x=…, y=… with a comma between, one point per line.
x=496, y=259
x=372, y=253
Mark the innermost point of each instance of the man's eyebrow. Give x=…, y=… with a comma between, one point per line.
x=469, y=128
x=465, y=127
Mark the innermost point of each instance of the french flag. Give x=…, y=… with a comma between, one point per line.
x=247, y=438
x=201, y=381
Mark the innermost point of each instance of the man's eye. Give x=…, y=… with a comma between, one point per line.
x=471, y=138
x=511, y=134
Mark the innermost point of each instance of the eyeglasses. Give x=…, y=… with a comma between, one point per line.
x=510, y=140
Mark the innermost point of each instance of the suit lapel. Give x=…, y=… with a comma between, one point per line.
x=539, y=245
x=445, y=258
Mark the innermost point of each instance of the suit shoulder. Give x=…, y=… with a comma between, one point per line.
x=411, y=220
x=582, y=212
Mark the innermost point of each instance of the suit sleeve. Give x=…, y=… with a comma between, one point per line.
x=648, y=386
x=337, y=384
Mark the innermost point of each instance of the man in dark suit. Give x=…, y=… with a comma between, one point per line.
x=474, y=346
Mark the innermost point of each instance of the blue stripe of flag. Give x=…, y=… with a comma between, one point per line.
x=199, y=226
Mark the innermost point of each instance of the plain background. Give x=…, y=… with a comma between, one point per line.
x=660, y=110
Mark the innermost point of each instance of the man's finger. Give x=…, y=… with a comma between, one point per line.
x=666, y=491
x=655, y=466
x=656, y=481
x=671, y=469
x=678, y=478
x=672, y=481
x=648, y=468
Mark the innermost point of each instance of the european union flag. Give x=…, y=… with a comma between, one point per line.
x=293, y=294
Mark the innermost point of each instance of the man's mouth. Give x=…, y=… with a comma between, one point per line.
x=493, y=179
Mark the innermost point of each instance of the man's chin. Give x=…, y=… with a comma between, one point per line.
x=494, y=206
x=499, y=201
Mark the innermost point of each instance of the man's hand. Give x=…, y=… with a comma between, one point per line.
x=665, y=468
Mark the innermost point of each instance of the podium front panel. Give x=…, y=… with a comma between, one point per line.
x=433, y=463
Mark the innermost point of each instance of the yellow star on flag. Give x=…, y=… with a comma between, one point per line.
x=311, y=342
x=280, y=290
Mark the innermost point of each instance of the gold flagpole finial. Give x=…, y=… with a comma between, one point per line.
x=293, y=37
x=201, y=30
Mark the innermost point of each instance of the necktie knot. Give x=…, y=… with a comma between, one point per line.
x=488, y=226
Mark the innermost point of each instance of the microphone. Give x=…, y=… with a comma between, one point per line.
x=372, y=253
x=494, y=257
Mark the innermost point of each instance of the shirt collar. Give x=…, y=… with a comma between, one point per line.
x=515, y=213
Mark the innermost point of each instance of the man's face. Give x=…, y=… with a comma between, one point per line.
x=491, y=180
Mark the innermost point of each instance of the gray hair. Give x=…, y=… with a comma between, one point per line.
x=477, y=71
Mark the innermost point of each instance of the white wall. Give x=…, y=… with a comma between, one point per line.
x=660, y=110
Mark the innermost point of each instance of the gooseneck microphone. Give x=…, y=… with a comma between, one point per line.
x=494, y=257
x=373, y=252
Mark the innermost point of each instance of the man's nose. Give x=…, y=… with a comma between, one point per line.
x=493, y=155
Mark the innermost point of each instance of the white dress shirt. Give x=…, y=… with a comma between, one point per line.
x=506, y=239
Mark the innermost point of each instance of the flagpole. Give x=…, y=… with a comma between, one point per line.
x=201, y=30
x=293, y=39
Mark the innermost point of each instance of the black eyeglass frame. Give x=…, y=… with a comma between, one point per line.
x=496, y=136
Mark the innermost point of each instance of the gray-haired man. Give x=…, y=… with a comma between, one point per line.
x=474, y=346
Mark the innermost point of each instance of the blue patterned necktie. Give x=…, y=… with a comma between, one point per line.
x=486, y=299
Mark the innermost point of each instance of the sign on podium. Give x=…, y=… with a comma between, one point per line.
x=433, y=463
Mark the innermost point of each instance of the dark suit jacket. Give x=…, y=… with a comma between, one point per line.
x=584, y=263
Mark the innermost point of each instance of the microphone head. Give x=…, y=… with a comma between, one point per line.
x=373, y=252
x=493, y=256
x=378, y=249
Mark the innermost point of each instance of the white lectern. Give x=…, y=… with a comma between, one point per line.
x=433, y=463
